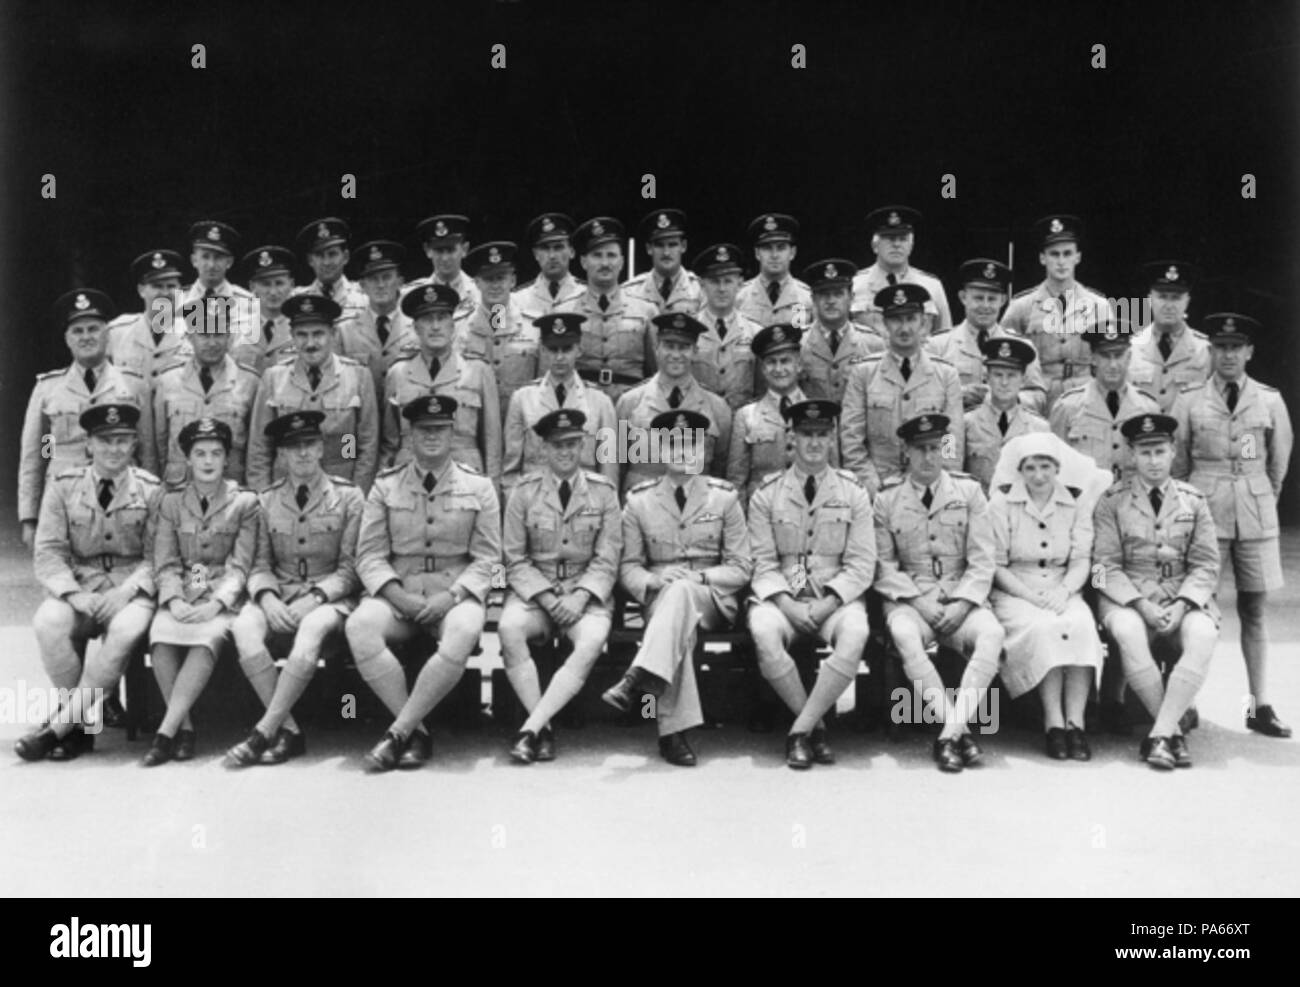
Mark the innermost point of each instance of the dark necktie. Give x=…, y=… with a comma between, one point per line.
x=428, y=482
x=105, y=493
x=1060, y=300
x=665, y=288
x=1231, y=396
x=158, y=337
x=435, y=368
x=203, y=504
x=679, y=495
x=560, y=394
x=1156, y=500
x=833, y=338
x=906, y=369
x=1112, y=402
x=809, y=489
x=301, y=495
x=892, y=279
x=566, y=491
x=1003, y=424
x=927, y=498
x=268, y=330
x=603, y=302
x=210, y=293
x=675, y=397
x=313, y=377
x=205, y=379
x=773, y=291
x=1165, y=345
x=554, y=288
x=722, y=328
x=785, y=403
x=381, y=329
x=89, y=376
x=982, y=337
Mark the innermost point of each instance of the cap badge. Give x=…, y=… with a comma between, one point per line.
x=562, y=421
x=440, y=228
x=1056, y=226
x=322, y=232
x=769, y=224
x=376, y=253
x=900, y=297
x=778, y=334
x=430, y=294
x=1229, y=325
x=558, y=328
x=679, y=322
x=82, y=302
x=681, y=422
x=893, y=219
x=264, y=259
x=307, y=305
x=598, y=228
x=214, y=233
x=829, y=271
x=1148, y=425
x=990, y=271
x=925, y=425
x=548, y=224
x=158, y=261
x=435, y=406
x=662, y=221
x=1004, y=350
x=723, y=255
x=812, y=412
x=494, y=256
x=1171, y=274
x=111, y=415
x=297, y=422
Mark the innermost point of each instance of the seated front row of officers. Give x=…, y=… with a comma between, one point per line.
x=310, y=559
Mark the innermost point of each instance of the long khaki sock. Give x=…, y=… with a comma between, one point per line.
x=1184, y=684
x=830, y=683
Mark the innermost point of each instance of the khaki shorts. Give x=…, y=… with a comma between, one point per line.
x=1256, y=563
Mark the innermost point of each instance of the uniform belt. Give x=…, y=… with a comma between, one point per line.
x=956, y=565
x=1163, y=570
x=107, y=562
x=811, y=559
x=607, y=376
x=689, y=563
x=561, y=568
x=435, y=563
x=1256, y=467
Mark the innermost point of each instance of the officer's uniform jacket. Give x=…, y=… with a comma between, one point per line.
x=550, y=547
x=949, y=547
x=1063, y=353
x=641, y=404
x=1081, y=418
x=359, y=339
x=444, y=540
x=528, y=405
x=793, y=304
x=724, y=364
x=260, y=352
x=761, y=443
x=351, y=422
x=345, y=293
x=241, y=311
x=961, y=348
x=984, y=440
x=311, y=547
x=617, y=348
x=877, y=400
x=80, y=546
x=53, y=440
x=462, y=284
x=1189, y=364
x=809, y=550
x=686, y=296
x=476, y=429
x=201, y=556
x=1157, y=558
x=1238, y=459
x=823, y=374
x=870, y=281
x=533, y=300
x=178, y=399
x=506, y=342
x=708, y=535
x=131, y=346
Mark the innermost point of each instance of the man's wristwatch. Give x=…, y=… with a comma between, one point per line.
x=319, y=593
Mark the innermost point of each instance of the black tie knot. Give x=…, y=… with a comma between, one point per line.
x=927, y=498
x=428, y=482
x=1166, y=345
x=679, y=495
x=675, y=397
x=560, y=394
x=773, y=291
x=313, y=377
x=1003, y=423
x=1112, y=403
x=381, y=328
x=435, y=368
x=722, y=328
x=566, y=491
x=665, y=288
x=89, y=377
x=1157, y=500
x=784, y=403
x=268, y=330
x=833, y=338
x=892, y=279
x=554, y=288
x=603, y=302
x=906, y=368
x=982, y=337
x=203, y=504
x=1233, y=392
x=809, y=489
x=105, y=493
x=301, y=495
x=205, y=379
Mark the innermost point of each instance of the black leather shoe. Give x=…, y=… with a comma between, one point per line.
x=37, y=745
x=798, y=751
x=524, y=748
x=1077, y=744
x=385, y=754
x=162, y=750
x=419, y=749
x=1265, y=721
x=1182, y=756
x=969, y=751
x=76, y=743
x=1190, y=720
x=249, y=750
x=545, y=745
x=821, y=750
x=1058, y=749
x=288, y=745
x=112, y=712
x=185, y=741
x=946, y=755
x=676, y=749
x=626, y=692
x=1113, y=718
x=1160, y=755
x=1144, y=748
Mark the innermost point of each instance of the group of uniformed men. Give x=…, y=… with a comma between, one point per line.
x=404, y=439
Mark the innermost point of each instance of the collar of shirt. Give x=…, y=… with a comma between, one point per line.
x=687, y=385
x=1221, y=385
x=218, y=371
x=1145, y=488
x=801, y=477
x=774, y=399
x=877, y=272
x=439, y=478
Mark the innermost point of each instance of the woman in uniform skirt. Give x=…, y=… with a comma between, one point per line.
x=1043, y=534
x=203, y=551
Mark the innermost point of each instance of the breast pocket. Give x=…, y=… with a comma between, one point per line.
x=1263, y=503
x=707, y=534
x=1210, y=436
x=518, y=359
x=585, y=528
x=787, y=532
x=951, y=528
x=831, y=531
x=469, y=403
x=129, y=526
x=543, y=533
x=456, y=525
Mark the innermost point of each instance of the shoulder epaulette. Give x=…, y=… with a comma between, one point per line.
x=846, y=474
x=348, y=361
x=405, y=355
x=71, y=473
x=286, y=360
x=1189, y=488
x=143, y=474
x=801, y=284
x=170, y=367
x=959, y=475
x=1025, y=294
x=341, y=481
x=391, y=470
x=1198, y=334
x=126, y=318
x=249, y=367
x=49, y=374
x=941, y=360
x=533, y=477
x=643, y=485
x=721, y=484
x=1146, y=394
x=771, y=478
x=128, y=371
x=1265, y=387
x=1116, y=488
x=276, y=484
x=1006, y=488
x=1075, y=492
x=1193, y=386
x=467, y=468
x=601, y=478
x=890, y=482
x=1073, y=388
x=637, y=279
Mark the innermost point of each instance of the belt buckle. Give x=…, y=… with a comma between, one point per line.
x=1166, y=570
x=107, y=561
x=561, y=569
x=936, y=566
x=1067, y=370
x=605, y=376
x=302, y=568
x=428, y=564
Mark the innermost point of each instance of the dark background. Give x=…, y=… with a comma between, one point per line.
x=1150, y=150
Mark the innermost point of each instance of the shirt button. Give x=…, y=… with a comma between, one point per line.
x=108, y=536
x=1044, y=545
x=428, y=544
x=302, y=541
x=1042, y=563
x=565, y=541
x=1041, y=525
x=302, y=517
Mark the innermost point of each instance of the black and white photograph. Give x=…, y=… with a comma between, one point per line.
x=651, y=450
